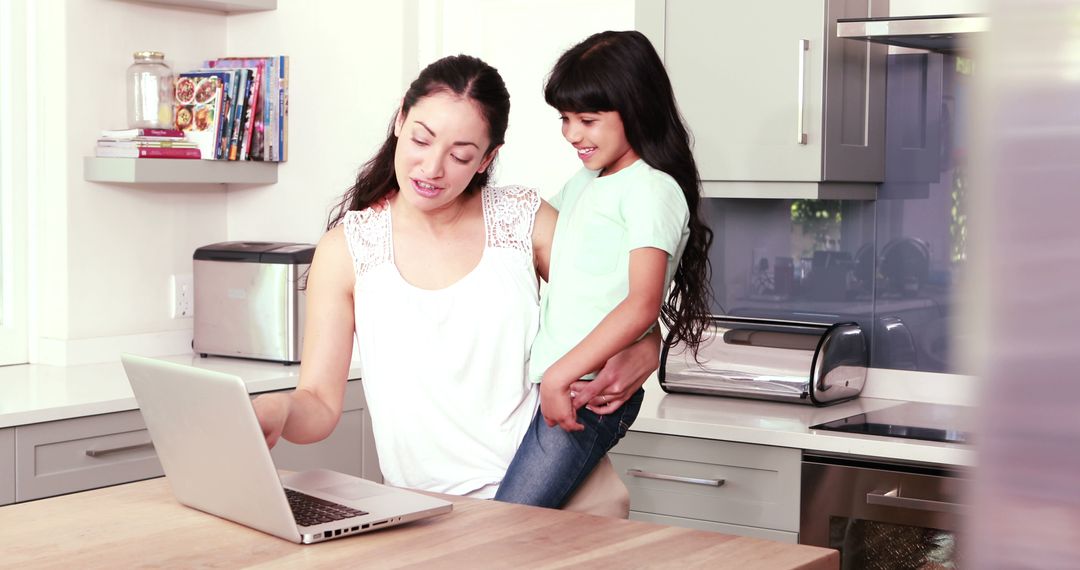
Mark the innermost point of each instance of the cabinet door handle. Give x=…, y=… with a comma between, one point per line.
x=678, y=478
x=800, y=133
x=893, y=499
x=112, y=450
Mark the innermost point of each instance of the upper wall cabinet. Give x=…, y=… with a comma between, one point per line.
x=779, y=107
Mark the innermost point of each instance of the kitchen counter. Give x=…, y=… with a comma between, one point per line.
x=141, y=524
x=785, y=425
x=33, y=394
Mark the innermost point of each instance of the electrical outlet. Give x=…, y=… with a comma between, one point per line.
x=183, y=296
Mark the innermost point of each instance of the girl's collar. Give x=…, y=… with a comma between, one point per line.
x=632, y=166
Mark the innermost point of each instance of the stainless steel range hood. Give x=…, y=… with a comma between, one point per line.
x=946, y=34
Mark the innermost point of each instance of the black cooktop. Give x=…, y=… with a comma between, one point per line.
x=913, y=420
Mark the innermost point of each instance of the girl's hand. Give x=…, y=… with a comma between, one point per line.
x=272, y=410
x=556, y=406
x=621, y=377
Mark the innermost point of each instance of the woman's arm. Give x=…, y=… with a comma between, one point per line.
x=628, y=321
x=311, y=412
x=543, y=234
x=621, y=376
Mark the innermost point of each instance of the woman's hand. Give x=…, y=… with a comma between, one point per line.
x=272, y=410
x=620, y=378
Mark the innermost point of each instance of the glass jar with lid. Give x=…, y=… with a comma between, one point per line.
x=149, y=92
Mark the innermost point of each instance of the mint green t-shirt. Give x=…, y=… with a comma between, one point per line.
x=601, y=219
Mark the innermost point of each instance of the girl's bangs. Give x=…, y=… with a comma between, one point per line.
x=577, y=90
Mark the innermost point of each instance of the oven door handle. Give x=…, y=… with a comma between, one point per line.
x=893, y=499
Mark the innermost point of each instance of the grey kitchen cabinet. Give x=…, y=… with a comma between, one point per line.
x=778, y=106
x=77, y=454
x=65, y=456
x=737, y=488
x=916, y=125
x=7, y=466
x=739, y=530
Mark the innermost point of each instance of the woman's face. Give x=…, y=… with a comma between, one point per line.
x=441, y=144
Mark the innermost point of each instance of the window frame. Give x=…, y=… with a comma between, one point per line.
x=16, y=139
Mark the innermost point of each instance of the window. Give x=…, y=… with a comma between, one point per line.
x=14, y=139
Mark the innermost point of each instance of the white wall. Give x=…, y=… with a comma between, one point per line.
x=102, y=254
x=346, y=80
x=522, y=39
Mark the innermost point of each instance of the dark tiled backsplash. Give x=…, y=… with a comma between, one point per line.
x=888, y=264
x=831, y=261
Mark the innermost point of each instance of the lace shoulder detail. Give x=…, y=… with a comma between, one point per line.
x=509, y=212
x=367, y=233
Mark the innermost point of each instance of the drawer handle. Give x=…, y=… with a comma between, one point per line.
x=678, y=478
x=112, y=450
x=893, y=499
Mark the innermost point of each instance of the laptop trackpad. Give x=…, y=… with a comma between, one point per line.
x=352, y=490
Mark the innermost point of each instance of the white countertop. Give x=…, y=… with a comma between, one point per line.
x=35, y=393
x=785, y=425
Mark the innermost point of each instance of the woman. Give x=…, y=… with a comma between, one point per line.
x=436, y=275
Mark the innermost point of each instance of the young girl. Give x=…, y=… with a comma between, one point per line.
x=627, y=230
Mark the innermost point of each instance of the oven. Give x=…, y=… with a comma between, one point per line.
x=882, y=516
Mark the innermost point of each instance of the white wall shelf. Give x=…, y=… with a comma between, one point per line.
x=178, y=171
x=226, y=6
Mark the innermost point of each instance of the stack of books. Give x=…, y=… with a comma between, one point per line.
x=236, y=108
x=146, y=143
x=231, y=108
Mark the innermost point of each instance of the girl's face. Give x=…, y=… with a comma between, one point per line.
x=441, y=144
x=600, y=140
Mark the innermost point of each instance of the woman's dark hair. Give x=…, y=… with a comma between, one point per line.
x=461, y=75
x=621, y=71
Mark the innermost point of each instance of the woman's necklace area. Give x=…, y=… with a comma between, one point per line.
x=440, y=222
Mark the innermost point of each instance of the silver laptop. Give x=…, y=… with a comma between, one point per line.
x=216, y=460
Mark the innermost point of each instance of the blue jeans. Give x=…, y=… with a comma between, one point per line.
x=551, y=462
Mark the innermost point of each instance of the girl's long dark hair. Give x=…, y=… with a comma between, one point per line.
x=621, y=71
x=462, y=75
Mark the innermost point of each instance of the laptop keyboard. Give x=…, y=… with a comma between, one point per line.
x=310, y=511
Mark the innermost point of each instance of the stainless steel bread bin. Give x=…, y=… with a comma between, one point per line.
x=766, y=359
x=249, y=299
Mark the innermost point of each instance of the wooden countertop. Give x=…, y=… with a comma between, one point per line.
x=141, y=525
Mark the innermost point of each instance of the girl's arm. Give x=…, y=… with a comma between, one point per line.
x=621, y=376
x=311, y=412
x=618, y=330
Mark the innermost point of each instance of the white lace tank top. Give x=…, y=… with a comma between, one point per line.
x=444, y=371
